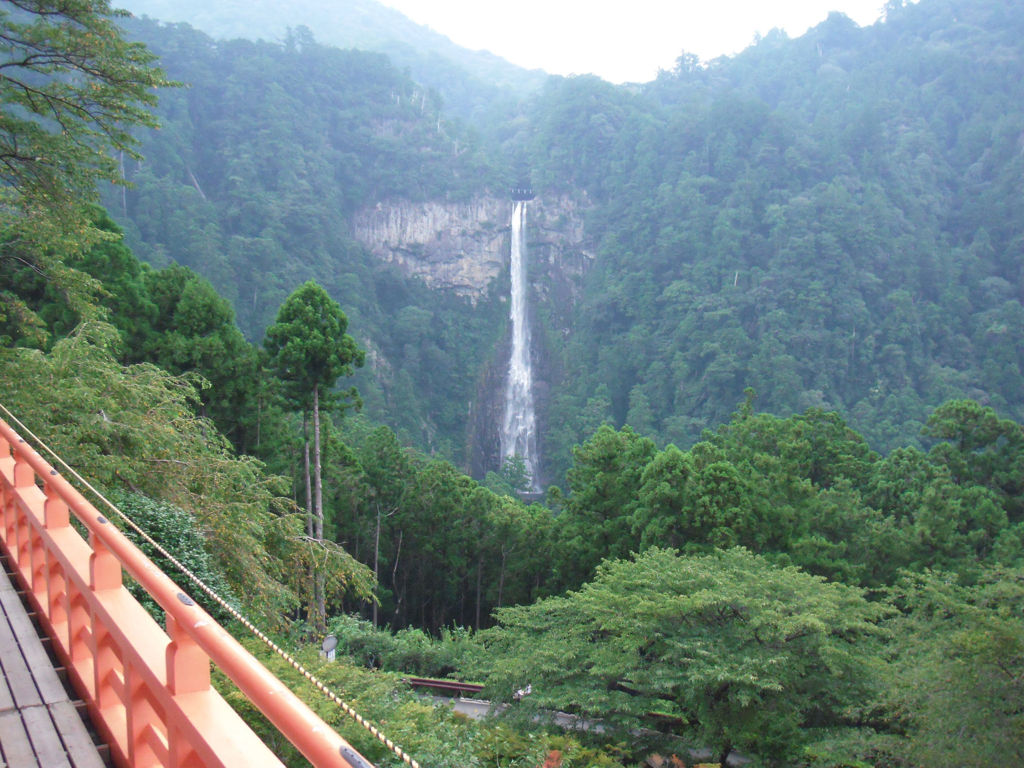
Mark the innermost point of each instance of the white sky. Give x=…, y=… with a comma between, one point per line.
x=620, y=40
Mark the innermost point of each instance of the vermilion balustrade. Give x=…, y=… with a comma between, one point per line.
x=147, y=689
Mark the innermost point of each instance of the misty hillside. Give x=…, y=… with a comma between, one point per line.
x=254, y=177
x=830, y=220
x=469, y=81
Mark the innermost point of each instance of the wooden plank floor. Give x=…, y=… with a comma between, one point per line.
x=39, y=724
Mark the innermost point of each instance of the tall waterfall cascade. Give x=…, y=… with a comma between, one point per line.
x=518, y=429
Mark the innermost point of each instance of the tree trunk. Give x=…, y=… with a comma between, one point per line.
x=724, y=754
x=399, y=594
x=309, y=488
x=501, y=578
x=318, y=486
x=124, y=187
x=318, y=515
x=376, y=562
x=479, y=579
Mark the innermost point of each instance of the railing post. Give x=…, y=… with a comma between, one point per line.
x=55, y=510
x=104, y=567
x=23, y=476
x=6, y=497
x=56, y=516
x=188, y=671
x=188, y=666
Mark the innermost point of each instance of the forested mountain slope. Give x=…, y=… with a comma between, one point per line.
x=260, y=162
x=832, y=220
x=469, y=81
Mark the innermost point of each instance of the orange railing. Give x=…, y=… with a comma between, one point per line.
x=148, y=690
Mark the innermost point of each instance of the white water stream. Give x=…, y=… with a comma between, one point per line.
x=518, y=433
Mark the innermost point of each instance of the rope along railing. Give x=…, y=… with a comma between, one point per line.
x=346, y=751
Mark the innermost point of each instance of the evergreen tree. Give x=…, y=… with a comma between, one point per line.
x=310, y=350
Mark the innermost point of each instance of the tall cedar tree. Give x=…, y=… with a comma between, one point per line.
x=310, y=350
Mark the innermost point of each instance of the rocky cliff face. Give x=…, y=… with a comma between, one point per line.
x=447, y=245
x=464, y=246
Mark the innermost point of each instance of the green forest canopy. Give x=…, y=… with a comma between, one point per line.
x=826, y=219
x=887, y=573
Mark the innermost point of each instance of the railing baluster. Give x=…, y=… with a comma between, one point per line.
x=104, y=568
x=188, y=666
x=24, y=477
x=56, y=517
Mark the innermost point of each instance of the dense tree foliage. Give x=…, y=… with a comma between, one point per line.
x=171, y=317
x=736, y=652
x=806, y=488
x=830, y=578
x=179, y=534
x=823, y=219
x=958, y=668
x=446, y=550
x=72, y=90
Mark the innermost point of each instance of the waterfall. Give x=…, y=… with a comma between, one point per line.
x=518, y=434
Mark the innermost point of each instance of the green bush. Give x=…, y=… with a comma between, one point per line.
x=179, y=534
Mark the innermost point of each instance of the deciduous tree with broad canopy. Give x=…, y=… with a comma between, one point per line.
x=958, y=668
x=745, y=654
x=71, y=90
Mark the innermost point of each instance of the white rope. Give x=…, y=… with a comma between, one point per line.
x=397, y=750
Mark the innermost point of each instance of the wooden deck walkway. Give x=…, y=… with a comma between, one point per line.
x=39, y=724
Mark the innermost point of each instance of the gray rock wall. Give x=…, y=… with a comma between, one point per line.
x=464, y=246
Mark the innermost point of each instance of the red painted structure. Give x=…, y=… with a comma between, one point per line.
x=147, y=688
x=444, y=685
